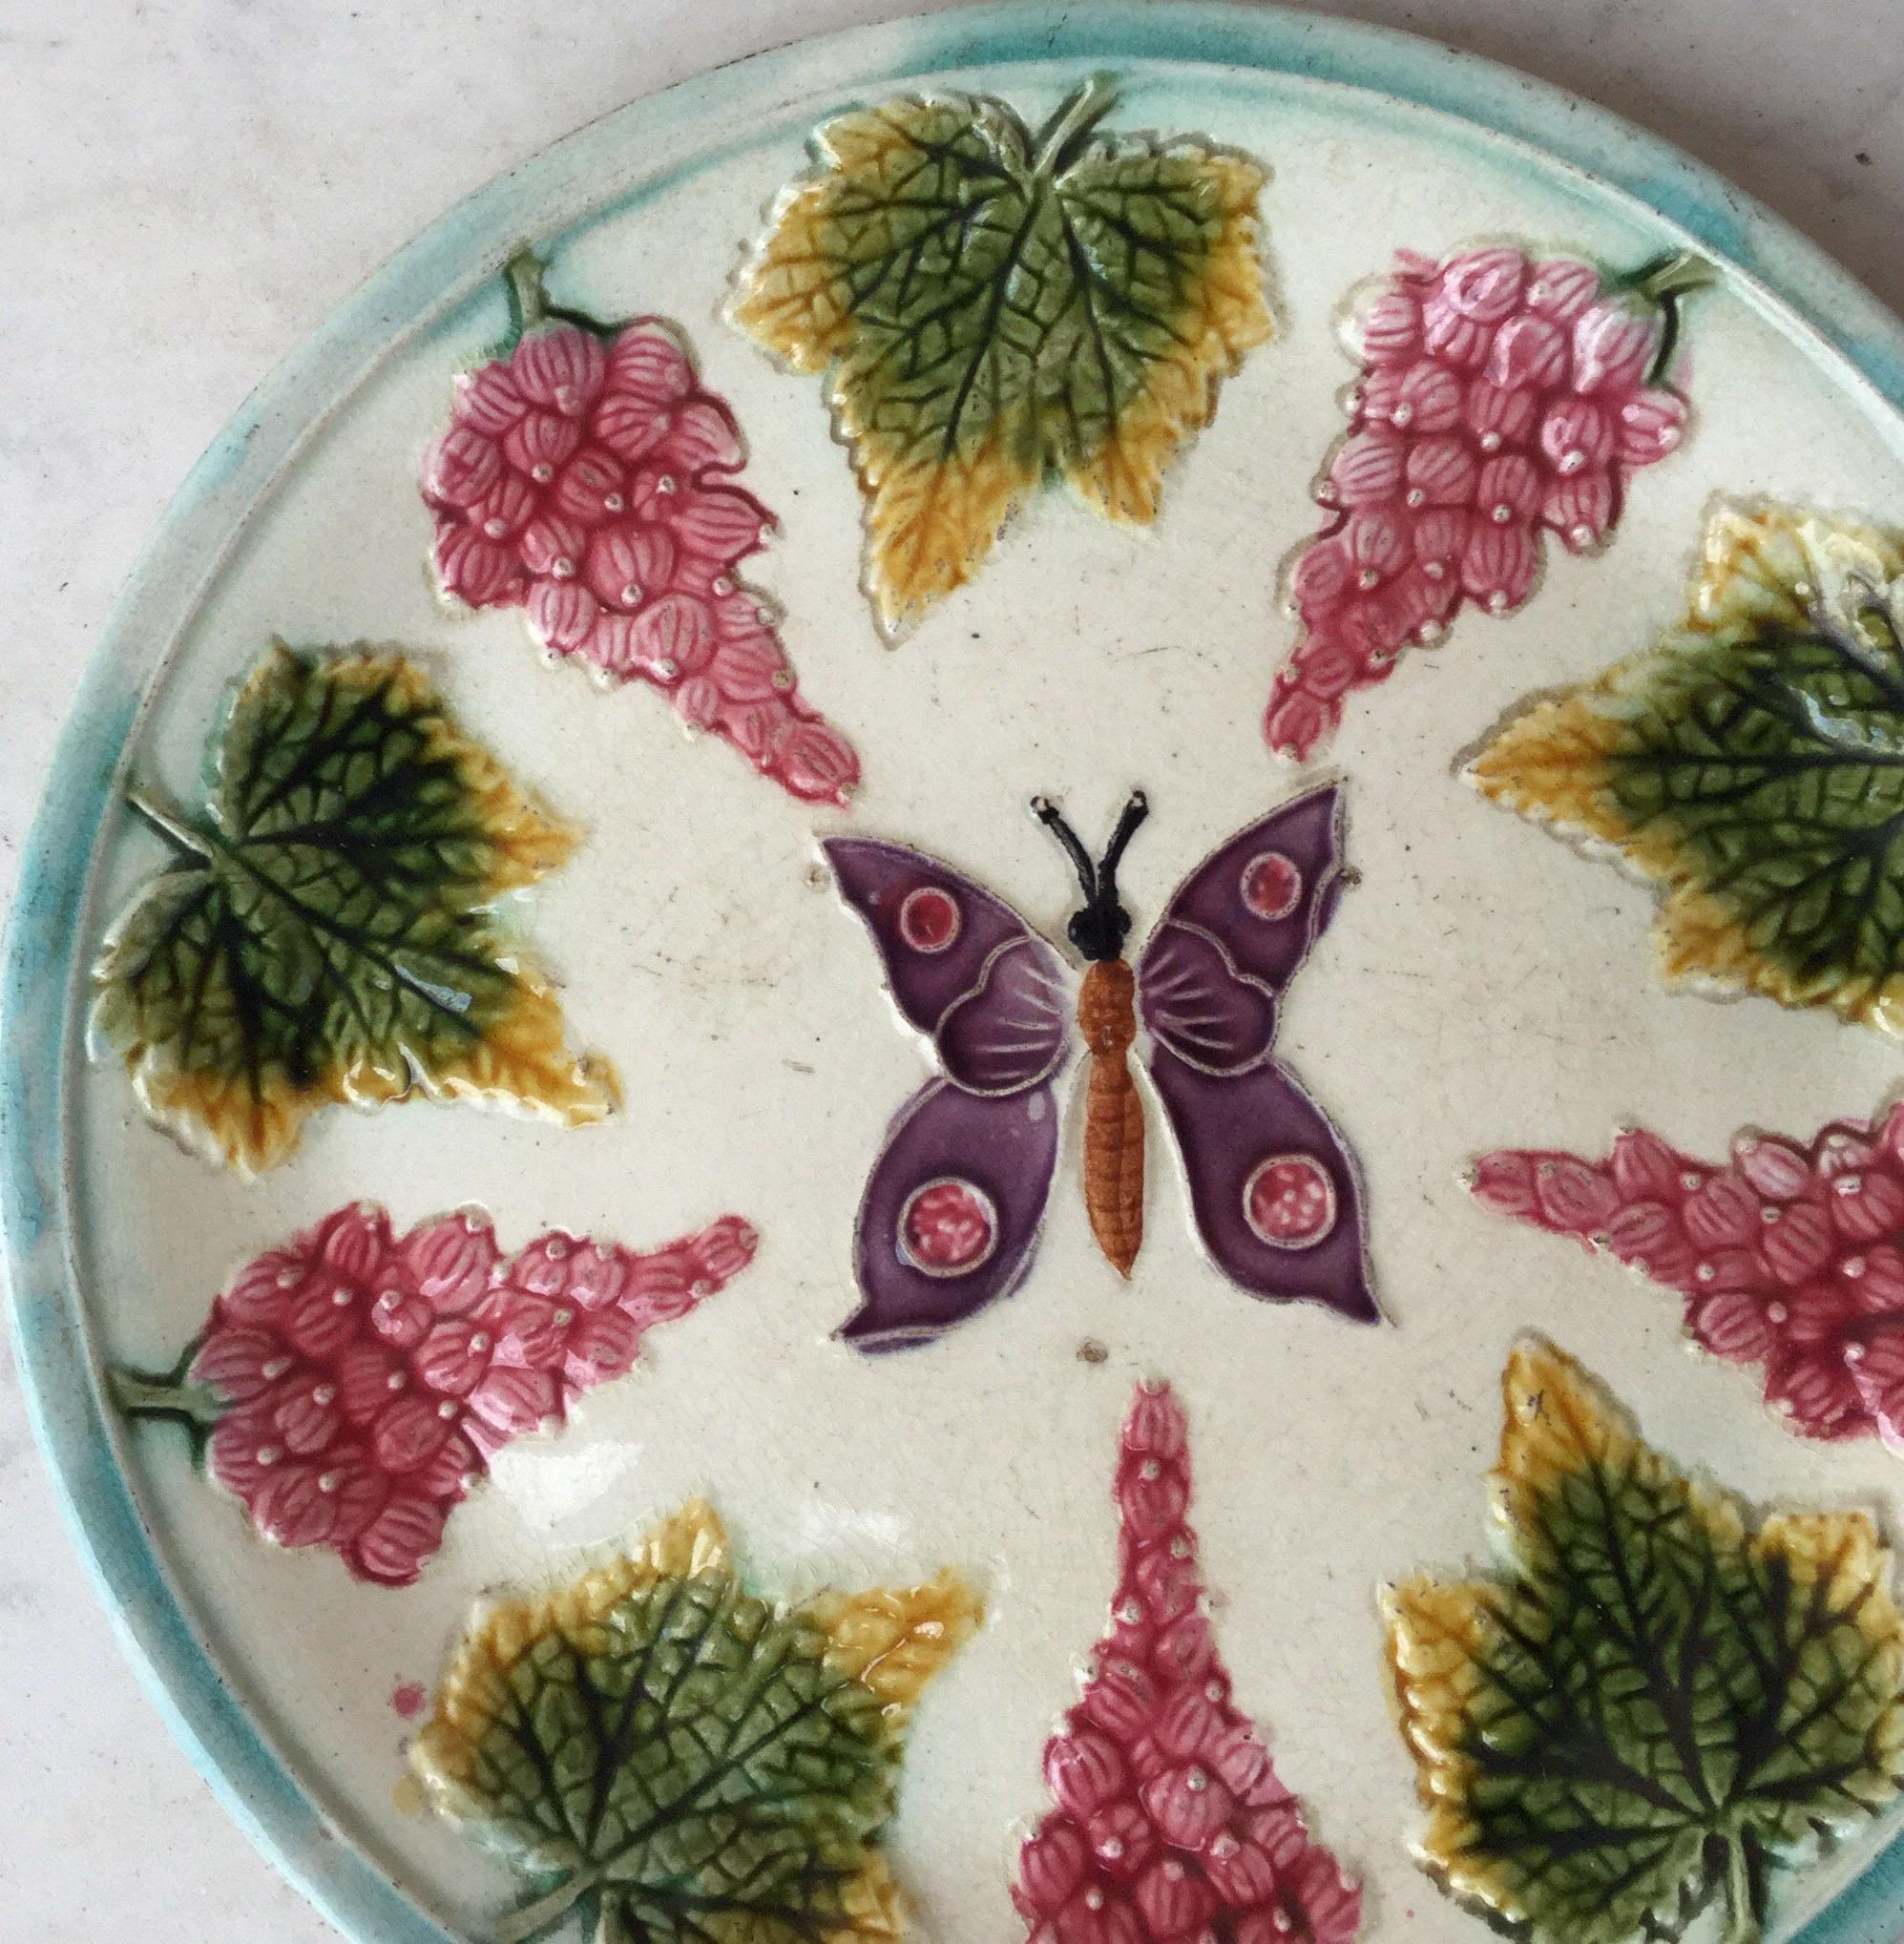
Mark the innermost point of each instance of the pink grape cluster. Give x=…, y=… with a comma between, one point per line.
x=587, y=483
x=1791, y=1258
x=1502, y=399
x=362, y=1381
x=1170, y=1823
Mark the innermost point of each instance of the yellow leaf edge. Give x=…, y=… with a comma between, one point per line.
x=529, y=838
x=1759, y=563
x=1438, y=1633
x=931, y=525
x=689, y=1544
x=1557, y=1417
x=927, y=525
x=1123, y=479
x=783, y=276
x=873, y=1904
x=523, y=1062
x=889, y=1641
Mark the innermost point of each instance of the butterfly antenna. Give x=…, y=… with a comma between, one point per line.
x=1134, y=813
x=1052, y=818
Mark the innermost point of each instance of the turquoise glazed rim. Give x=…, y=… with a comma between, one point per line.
x=40, y=1023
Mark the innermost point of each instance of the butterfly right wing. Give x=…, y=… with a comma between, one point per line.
x=1273, y=1185
x=952, y=1207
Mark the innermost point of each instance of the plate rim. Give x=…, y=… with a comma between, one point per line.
x=253, y=1782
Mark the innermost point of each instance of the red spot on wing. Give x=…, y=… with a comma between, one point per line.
x=930, y=919
x=1289, y=1202
x=948, y=1228
x=1271, y=885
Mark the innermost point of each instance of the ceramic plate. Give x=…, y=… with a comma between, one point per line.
x=767, y=979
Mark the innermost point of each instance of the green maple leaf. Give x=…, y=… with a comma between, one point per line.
x=990, y=308
x=1751, y=763
x=687, y=1763
x=1652, y=1699
x=329, y=931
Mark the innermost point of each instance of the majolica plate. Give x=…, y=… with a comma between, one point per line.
x=965, y=1007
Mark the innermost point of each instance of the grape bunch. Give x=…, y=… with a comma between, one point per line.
x=587, y=479
x=353, y=1385
x=1501, y=399
x=1170, y=1823
x=1789, y=1258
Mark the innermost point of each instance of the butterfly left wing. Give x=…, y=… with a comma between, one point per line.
x=1274, y=1187
x=952, y=1210
x=951, y=1216
x=961, y=965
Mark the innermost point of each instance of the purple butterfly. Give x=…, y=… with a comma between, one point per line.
x=951, y=1214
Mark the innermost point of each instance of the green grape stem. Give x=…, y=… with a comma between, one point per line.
x=1674, y=276
x=528, y=302
x=1664, y=281
x=136, y=1395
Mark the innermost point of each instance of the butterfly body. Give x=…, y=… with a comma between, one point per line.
x=1112, y=1112
x=952, y=1210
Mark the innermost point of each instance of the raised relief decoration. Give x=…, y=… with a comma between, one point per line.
x=1170, y=1823
x=352, y=1386
x=1748, y=763
x=951, y=1212
x=989, y=308
x=1653, y=1703
x=1789, y=1257
x=673, y=1756
x=328, y=931
x=587, y=478
x=1502, y=398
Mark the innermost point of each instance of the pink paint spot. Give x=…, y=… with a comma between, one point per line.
x=408, y=1698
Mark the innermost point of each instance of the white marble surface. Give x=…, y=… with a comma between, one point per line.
x=188, y=190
